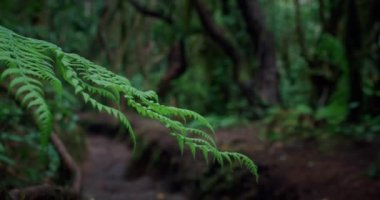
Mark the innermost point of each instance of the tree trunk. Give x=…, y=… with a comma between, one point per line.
x=177, y=65
x=353, y=43
x=265, y=80
x=218, y=35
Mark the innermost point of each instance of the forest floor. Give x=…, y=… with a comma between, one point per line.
x=296, y=169
x=104, y=174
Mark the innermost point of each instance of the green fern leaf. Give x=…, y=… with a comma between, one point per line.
x=30, y=64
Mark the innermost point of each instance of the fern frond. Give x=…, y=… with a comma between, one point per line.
x=30, y=63
x=27, y=65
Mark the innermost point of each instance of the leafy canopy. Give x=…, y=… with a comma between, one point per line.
x=29, y=64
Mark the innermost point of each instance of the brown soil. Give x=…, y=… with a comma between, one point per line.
x=104, y=174
x=288, y=170
x=301, y=169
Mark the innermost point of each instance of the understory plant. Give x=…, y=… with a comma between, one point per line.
x=31, y=69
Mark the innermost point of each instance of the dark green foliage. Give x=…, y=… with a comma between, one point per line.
x=17, y=152
x=330, y=50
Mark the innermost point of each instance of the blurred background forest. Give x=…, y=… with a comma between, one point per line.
x=289, y=76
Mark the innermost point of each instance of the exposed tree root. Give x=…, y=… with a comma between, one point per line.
x=52, y=191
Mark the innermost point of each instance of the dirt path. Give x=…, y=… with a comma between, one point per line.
x=288, y=170
x=104, y=174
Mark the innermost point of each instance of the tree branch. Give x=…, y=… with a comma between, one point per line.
x=151, y=13
x=69, y=162
x=217, y=34
x=177, y=65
